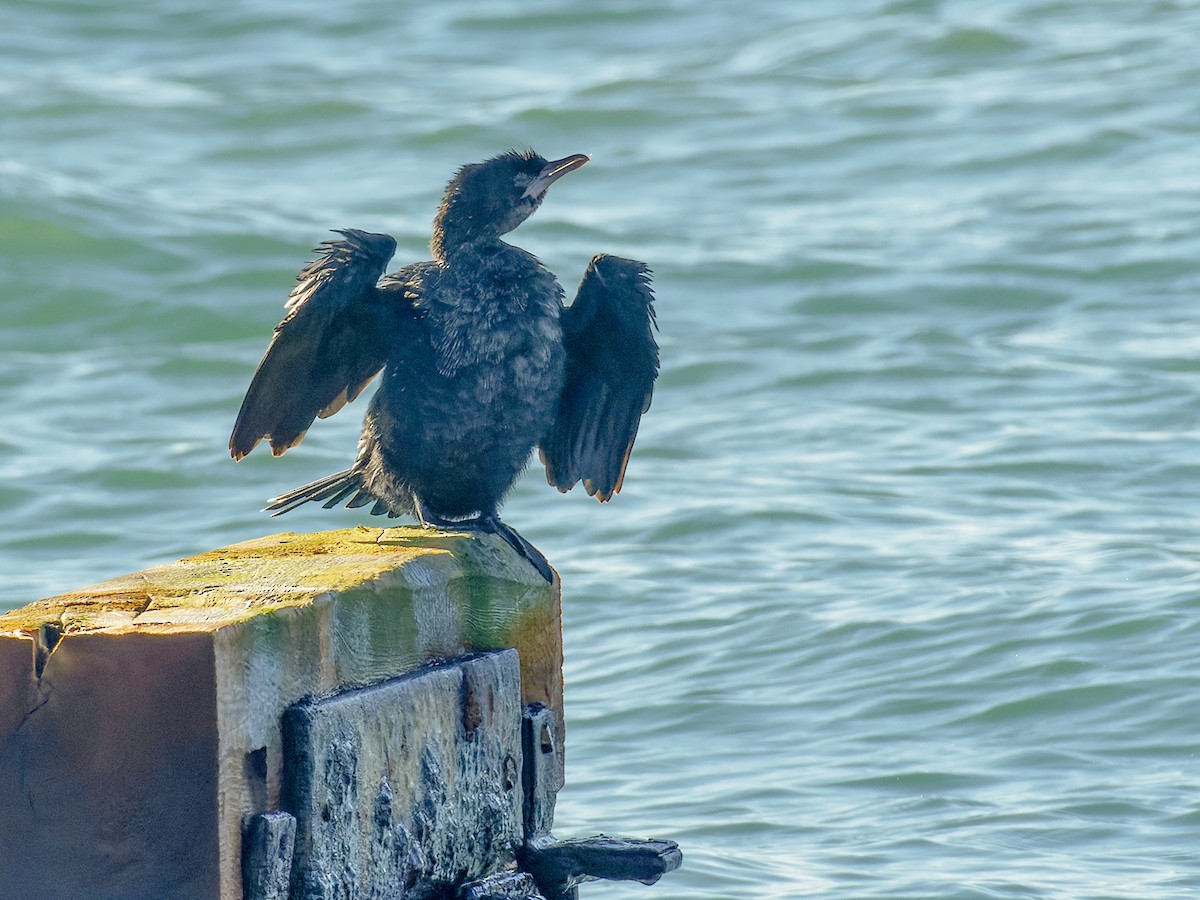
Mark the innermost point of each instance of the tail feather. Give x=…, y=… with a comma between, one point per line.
x=340, y=494
x=362, y=498
x=382, y=509
x=332, y=488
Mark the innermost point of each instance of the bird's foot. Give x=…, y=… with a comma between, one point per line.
x=490, y=525
x=526, y=549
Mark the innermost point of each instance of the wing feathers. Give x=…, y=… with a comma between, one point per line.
x=325, y=351
x=612, y=362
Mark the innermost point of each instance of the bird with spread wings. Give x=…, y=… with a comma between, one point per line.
x=481, y=361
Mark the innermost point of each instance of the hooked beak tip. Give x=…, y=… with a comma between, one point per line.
x=554, y=171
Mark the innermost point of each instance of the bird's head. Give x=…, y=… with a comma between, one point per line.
x=485, y=200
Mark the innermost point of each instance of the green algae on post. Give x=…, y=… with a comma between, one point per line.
x=157, y=687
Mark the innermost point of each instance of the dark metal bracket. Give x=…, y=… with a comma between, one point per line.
x=559, y=867
x=546, y=868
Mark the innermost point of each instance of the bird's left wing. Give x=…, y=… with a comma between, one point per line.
x=612, y=361
x=327, y=348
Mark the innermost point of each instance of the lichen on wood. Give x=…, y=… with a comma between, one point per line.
x=170, y=683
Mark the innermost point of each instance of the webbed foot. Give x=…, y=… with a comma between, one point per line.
x=491, y=525
x=494, y=526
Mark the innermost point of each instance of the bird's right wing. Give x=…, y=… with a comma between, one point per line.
x=612, y=361
x=325, y=351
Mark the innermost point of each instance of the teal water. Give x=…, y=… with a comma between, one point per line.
x=901, y=599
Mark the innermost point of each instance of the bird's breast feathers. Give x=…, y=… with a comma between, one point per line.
x=495, y=319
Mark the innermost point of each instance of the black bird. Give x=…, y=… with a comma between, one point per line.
x=481, y=362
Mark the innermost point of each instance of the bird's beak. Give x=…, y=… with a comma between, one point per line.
x=554, y=171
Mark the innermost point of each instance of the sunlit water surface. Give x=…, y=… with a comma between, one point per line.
x=901, y=599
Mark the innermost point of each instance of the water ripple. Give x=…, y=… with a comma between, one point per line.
x=900, y=595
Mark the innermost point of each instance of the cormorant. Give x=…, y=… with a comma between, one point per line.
x=481, y=362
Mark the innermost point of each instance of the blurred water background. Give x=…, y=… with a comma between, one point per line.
x=901, y=599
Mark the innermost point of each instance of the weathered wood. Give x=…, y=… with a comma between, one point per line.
x=542, y=771
x=407, y=788
x=268, y=843
x=558, y=866
x=140, y=718
x=505, y=885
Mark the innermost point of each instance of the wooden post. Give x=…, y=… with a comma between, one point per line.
x=140, y=719
x=409, y=788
